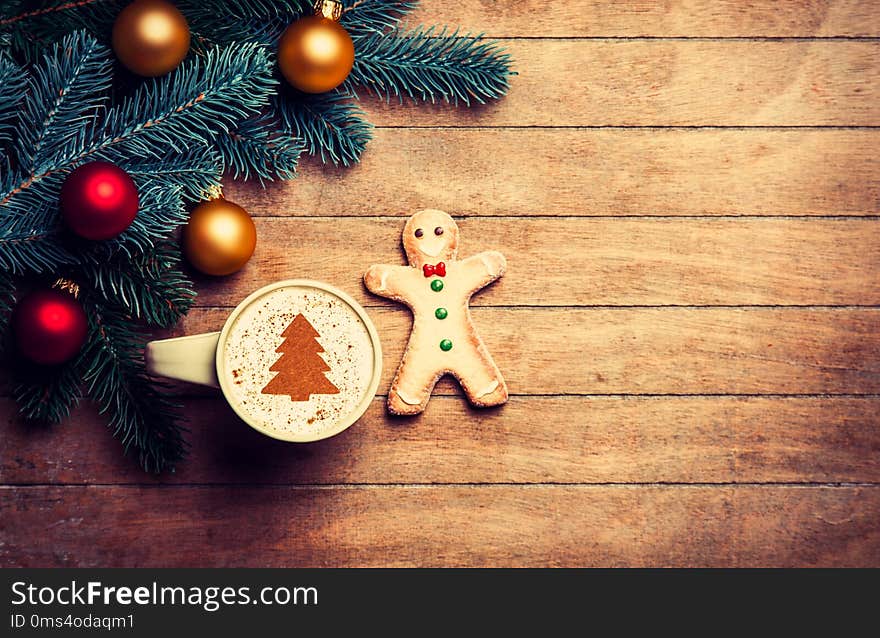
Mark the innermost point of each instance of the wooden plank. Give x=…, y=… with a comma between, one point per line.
x=599, y=261
x=541, y=525
x=655, y=350
x=672, y=83
x=648, y=18
x=531, y=440
x=589, y=172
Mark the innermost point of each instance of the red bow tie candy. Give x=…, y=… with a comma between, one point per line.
x=439, y=269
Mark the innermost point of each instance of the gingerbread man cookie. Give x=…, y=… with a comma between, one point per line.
x=437, y=287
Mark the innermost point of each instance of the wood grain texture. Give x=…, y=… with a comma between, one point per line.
x=649, y=18
x=654, y=350
x=587, y=440
x=656, y=166
x=663, y=83
x=441, y=526
x=589, y=172
x=577, y=261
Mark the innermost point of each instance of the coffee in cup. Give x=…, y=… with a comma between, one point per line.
x=296, y=360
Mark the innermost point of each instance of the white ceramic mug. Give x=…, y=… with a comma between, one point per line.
x=349, y=350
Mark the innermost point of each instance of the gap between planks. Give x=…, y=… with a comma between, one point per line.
x=686, y=38
x=210, y=395
x=539, y=216
x=441, y=485
x=626, y=127
x=575, y=306
x=711, y=19
x=621, y=395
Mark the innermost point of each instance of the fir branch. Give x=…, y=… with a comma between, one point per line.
x=235, y=10
x=12, y=85
x=65, y=93
x=256, y=31
x=47, y=394
x=330, y=124
x=7, y=302
x=202, y=98
x=25, y=12
x=196, y=173
x=149, y=287
x=257, y=21
x=38, y=252
x=160, y=210
x=29, y=31
x=363, y=17
x=258, y=149
x=264, y=21
x=140, y=413
x=30, y=237
x=431, y=67
x=181, y=112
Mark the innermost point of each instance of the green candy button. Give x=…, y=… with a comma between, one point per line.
x=446, y=345
x=436, y=285
x=441, y=313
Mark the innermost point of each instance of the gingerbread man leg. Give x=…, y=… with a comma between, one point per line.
x=480, y=378
x=412, y=386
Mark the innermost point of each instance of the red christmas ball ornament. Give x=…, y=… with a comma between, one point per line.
x=50, y=327
x=99, y=200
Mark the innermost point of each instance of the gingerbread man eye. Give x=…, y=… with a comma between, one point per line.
x=438, y=230
x=419, y=232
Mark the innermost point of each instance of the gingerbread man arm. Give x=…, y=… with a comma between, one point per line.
x=385, y=280
x=482, y=269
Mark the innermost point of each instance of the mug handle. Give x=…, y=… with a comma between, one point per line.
x=191, y=359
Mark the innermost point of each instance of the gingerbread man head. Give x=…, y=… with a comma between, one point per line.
x=430, y=236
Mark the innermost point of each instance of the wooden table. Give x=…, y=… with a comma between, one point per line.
x=687, y=194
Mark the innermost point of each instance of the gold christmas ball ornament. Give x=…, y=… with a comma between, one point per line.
x=150, y=37
x=316, y=53
x=219, y=238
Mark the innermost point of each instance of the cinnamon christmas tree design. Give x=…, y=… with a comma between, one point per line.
x=301, y=368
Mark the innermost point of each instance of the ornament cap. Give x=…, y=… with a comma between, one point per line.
x=330, y=9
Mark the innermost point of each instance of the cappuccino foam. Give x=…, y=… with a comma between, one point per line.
x=250, y=352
